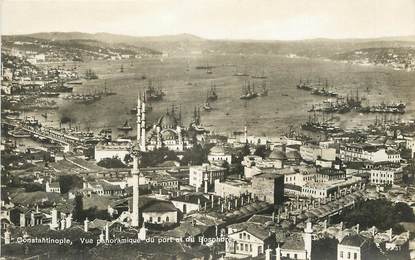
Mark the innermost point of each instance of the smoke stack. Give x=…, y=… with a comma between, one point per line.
x=86, y=225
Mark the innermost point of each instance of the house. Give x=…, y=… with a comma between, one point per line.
x=189, y=202
x=248, y=240
x=354, y=247
x=386, y=174
x=159, y=212
x=204, y=176
x=53, y=186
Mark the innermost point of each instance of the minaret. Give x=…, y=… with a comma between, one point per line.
x=135, y=216
x=140, y=146
x=138, y=119
x=308, y=239
x=143, y=127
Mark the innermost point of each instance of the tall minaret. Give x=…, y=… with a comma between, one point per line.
x=141, y=124
x=139, y=119
x=143, y=127
x=140, y=146
x=135, y=217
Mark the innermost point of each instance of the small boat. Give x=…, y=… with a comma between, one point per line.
x=126, y=126
x=207, y=107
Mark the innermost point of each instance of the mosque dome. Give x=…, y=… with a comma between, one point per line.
x=217, y=150
x=168, y=121
x=168, y=135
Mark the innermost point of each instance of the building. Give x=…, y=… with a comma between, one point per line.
x=267, y=186
x=113, y=149
x=298, y=246
x=103, y=188
x=159, y=212
x=167, y=132
x=190, y=202
x=248, y=240
x=354, y=247
x=218, y=153
x=311, y=153
x=371, y=153
x=53, y=186
x=328, y=188
x=203, y=176
x=386, y=174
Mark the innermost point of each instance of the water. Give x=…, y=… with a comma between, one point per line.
x=285, y=105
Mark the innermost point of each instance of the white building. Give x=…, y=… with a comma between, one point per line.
x=372, y=153
x=114, y=149
x=384, y=174
x=353, y=247
x=204, y=176
x=218, y=153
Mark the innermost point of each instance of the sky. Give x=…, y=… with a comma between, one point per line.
x=214, y=19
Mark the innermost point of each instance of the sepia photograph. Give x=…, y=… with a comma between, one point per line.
x=207, y=129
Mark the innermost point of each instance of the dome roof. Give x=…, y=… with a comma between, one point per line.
x=277, y=155
x=168, y=121
x=217, y=149
x=168, y=135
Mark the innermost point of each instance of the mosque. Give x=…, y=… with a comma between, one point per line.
x=167, y=132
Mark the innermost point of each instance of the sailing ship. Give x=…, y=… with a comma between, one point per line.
x=239, y=73
x=259, y=76
x=153, y=93
x=248, y=92
x=264, y=91
x=212, y=95
x=149, y=107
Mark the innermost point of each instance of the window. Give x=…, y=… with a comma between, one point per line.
x=151, y=219
x=295, y=256
x=250, y=248
x=249, y=237
x=159, y=219
x=240, y=236
x=355, y=256
x=246, y=247
x=348, y=255
x=259, y=249
x=167, y=219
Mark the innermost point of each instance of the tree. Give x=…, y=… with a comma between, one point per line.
x=195, y=156
x=111, y=163
x=67, y=182
x=324, y=249
x=78, y=210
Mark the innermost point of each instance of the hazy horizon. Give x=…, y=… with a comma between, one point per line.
x=216, y=19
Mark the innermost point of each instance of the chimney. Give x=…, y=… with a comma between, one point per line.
x=325, y=224
x=54, y=223
x=107, y=232
x=268, y=253
x=373, y=229
x=390, y=234
x=278, y=253
x=63, y=224
x=341, y=225
x=357, y=228
x=69, y=221
x=7, y=237
x=273, y=216
x=86, y=222
x=198, y=203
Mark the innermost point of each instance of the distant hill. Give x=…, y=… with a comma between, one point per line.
x=188, y=43
x=112, y=38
